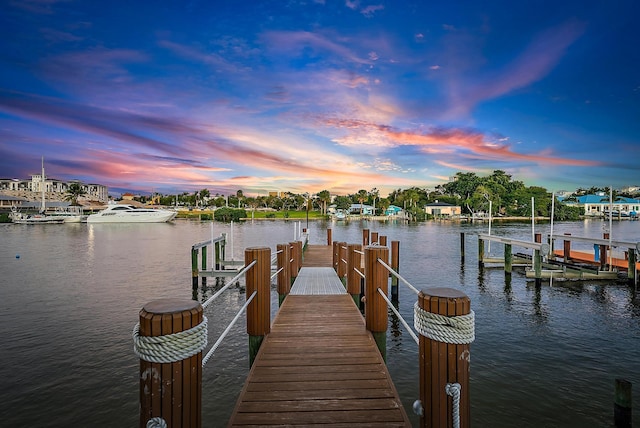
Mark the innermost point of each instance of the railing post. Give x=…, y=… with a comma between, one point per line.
x=342, y=258
x=299, y=256
x=365, y=237
x=375, y=307
x=258, y=278
x=443, y=363
x=194, y=269
x=353, y=279
x=284, y=271
x=395, y=265
x=170, y=390
x=335, y=254
x=329, y=237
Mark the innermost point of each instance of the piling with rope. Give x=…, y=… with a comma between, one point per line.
x=445, y=323
x=283, y=263
x=375, y=308
x=169, y=340
x=258, y=278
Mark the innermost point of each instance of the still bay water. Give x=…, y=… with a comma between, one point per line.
x=70, y=296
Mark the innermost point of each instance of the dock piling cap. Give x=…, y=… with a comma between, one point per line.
x=170, y=306
x=446, y=292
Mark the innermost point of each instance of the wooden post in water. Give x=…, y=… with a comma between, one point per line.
x=375, y=307
x=395, y=265
x=217, y=255
x=462, y=246
x=299, y=256
x=622, y=408
x=365, y=237
x=480, y=252
x=508, y=260
x=374, y=238
x=443, y=363
x=631, y=265
x=382, y=240
x=566, y=251
x=258, y=278
x=194, y=269
x=204, y=265
x=537, y=266
x=283, y=258
x=342, y=259
x=171, y=390
x=538, y=237
x=353, y=278
x=329, y=237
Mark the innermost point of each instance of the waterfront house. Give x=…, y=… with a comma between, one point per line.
x=442, y=209
x=393, y=210
x=361, y=208
x=597, y=205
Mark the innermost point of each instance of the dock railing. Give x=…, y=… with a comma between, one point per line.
x=443, y=320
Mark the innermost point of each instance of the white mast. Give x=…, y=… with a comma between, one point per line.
x=43, y=207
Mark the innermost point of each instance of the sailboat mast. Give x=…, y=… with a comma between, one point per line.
x=42, y=206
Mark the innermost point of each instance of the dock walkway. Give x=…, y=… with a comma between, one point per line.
x=319, y=365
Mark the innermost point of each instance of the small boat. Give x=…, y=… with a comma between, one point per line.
x=122, y=213
x=24, y=218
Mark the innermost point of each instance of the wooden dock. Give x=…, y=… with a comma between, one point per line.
x=319, y=365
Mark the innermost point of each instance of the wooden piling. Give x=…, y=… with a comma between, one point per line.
x=442, y=363
x=173, y=390
x=283, y=258
x=508, y=260
x=353, y=278
x=462, y=246
x=329, y=237
x=365, y=237
x=194, y=269
x=566, y=249
x=374, y=238
x=480, y=252
x=299, y=256
x=217, y=254
x=537, y=266
x=295, y=263
x=382, y=240
x=335, y=253
x=342, y=258
x=258, y=278
x=631, y=265
x=622, y=408
x=395, y=265
x=375, y=309
x=204, y=265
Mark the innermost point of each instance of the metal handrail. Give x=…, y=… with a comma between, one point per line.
x=234, y=279
x=397, y=275
x=395, y=311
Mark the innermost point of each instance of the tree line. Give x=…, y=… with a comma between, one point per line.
x=475, y=194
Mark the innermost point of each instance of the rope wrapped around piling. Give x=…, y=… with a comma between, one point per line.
x=458, y=330
x=172, y=347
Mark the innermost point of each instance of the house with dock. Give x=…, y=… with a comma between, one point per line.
x=598, y=205
x=442, y=209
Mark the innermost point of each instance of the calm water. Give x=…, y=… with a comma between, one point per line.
x=70, y=296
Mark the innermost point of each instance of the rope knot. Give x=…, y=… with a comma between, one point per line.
x=170, y=348
x=458, y=330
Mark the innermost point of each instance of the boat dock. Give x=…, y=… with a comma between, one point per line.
x=319, y=365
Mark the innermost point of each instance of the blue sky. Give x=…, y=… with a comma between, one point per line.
x=304, y=96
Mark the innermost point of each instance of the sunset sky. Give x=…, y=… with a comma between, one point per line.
x=308, y=95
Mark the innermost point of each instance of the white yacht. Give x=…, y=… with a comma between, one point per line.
x=130, y=214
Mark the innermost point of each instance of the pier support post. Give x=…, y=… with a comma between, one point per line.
x=443, y=362
x=395, y=265
x=194, y=269
x=508, y=260
x=216, y=250
x=566, y=251
x=480, y=252
x=537, y=267
x=335, y=253
x=170, y=390
x=353, y=278
x=462, y=246
x=631, y=265
x=204, y=265
x=375, y=308
x=258, y=278
x=283, y=259
x=374, y=238
x=329, y=237
x=382, y=240
x=293, y=247
x=342, y=260
x=299, y=256
x=622, y=413
x=365, y=237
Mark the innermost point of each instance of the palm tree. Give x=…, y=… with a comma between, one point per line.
x=74, y=191
x=362, y=195
x=324, y=197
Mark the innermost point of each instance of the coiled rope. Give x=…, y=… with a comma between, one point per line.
x=457, y=330
x=172, y=347
x=156, y=422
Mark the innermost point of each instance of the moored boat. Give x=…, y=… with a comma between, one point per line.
x=130, y=214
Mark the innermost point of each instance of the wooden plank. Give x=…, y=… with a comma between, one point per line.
x=319, y=366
